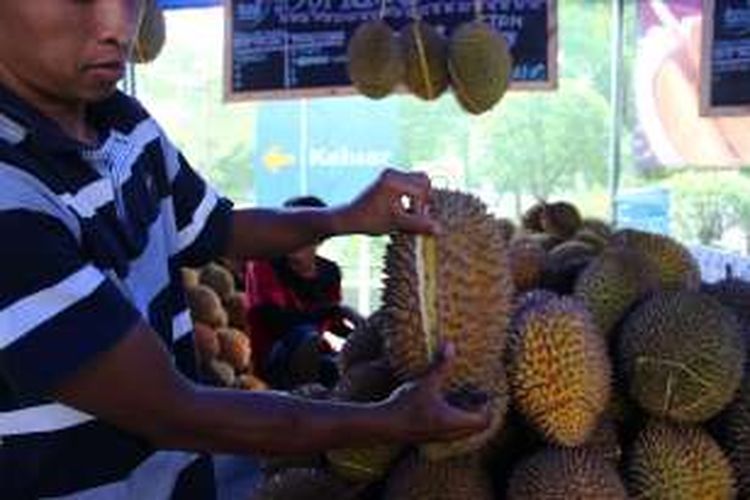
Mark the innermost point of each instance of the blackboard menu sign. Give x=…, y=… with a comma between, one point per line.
x=725, y=65
x=293, y=48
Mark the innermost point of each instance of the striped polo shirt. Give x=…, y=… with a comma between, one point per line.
x=91, y=240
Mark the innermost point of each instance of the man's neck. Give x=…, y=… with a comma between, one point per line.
x=69, y=115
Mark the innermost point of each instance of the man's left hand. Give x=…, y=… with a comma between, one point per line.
x=396, y=201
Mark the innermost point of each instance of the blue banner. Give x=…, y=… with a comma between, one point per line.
x=330, y=148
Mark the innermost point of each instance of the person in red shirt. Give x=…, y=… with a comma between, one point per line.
x=292, y=301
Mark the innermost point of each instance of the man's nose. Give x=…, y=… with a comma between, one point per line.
x=117, y=21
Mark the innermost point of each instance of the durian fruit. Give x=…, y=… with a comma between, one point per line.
x=613, y=283
x=591, y=238
x=480, y=66
x=366, y=381
x=190, y=277
x=561, y=219
x=151, y=34
x=559, y=371
x=365, y=343
x=527, y=257
x=605, y=441
x=596, y=226
x=677, y=267
x=496, y=398
x=527, y=302
x=250, y=382
x=564, y=264
x=425, y=52
x=303, y=484
x=235, y=348
x=206, y=341
x=364, y=465
x=682, y=356
x=236, y=307
x=219, y=279
x=376, y=64
x=678, y=462
x=205, y=306
x=565, y=473
x=454, y=287
x=531, y=220
x=734, y=436
x=222, y=373
x=734, y=294
x=507, y=228
x=458, y=477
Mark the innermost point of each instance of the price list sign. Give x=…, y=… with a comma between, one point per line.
x=725, y=63
x=297, y=48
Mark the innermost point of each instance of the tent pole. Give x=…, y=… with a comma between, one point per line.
x=616, y=104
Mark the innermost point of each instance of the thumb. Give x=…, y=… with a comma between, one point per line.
x=418, y=223
x=441, y=366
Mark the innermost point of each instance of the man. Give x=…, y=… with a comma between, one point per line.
x=99, y=212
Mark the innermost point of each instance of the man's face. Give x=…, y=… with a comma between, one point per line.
x=69, y=50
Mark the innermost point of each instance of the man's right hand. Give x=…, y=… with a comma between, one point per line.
x=420, y=412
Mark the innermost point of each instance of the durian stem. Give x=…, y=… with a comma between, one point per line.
x=383, y=5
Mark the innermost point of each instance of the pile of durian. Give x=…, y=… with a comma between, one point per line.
x=221, y=333
x=610, y=370
x=475, y=62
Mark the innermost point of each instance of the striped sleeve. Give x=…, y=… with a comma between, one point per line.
x=57, y=311
x=203, y=217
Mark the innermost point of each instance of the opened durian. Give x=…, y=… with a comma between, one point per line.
x=454, y=287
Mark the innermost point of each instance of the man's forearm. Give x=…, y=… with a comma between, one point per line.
x=264, y=233
x=273, y=423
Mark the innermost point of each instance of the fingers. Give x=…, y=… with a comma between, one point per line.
x=440, y=367
x=410, y=201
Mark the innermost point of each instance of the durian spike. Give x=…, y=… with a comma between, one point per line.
x=427, y=271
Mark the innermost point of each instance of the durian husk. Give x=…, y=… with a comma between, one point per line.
x=466, y=302
x=560, y=371
x=461, y=477
x=376, y=64
x=613, y=283
x=561, y=219
x=151, y=34
x=682, y=355
x=678, y=462
x=364, y=465
x=426, y=58
x=480, y=66
x=527, y=257
x=675, y=264
x=734, y=436
x=566, y=473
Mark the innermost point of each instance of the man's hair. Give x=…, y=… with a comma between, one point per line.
x=305, y=201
